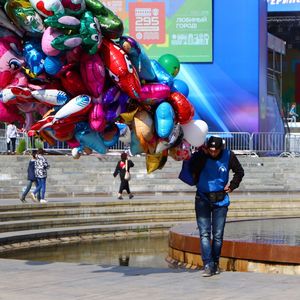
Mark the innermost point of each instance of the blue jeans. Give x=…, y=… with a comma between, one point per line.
x=211, y=222
x=28, y=187
x=41, y=187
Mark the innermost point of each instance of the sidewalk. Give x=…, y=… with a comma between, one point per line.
x=154, y=196
x=28, y=280
x=67, y=281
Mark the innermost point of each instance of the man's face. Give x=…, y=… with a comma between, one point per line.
x=214, y=152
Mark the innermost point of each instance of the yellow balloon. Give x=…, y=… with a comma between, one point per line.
x=128, y=116
x=156, y=161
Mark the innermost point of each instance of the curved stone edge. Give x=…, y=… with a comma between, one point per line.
x=184, y=252
x=54, y=237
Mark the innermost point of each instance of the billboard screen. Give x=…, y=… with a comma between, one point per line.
x=226, y=92
x=283, y=5
x=179, y=27
x=226, y=79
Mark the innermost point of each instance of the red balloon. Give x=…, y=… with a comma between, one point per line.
x=64, y=132
x=184, y=110
x=120, y=68
x=72, y=81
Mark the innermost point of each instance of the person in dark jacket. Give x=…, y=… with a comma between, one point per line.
x=31, y=177
x=121, y=170
x=210, y=168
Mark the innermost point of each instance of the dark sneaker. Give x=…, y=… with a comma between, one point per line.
x=217, y=270
x=130, y=196
x=207, y=272
x=22, y=200
x=120, y=198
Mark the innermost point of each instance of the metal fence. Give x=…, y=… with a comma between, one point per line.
x=258, y=143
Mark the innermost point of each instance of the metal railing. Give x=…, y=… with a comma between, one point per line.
x=258, y=143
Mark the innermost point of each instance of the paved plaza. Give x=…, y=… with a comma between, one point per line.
x=24, y=280
x=68, y=281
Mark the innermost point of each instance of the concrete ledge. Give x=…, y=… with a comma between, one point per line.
x=240, y=251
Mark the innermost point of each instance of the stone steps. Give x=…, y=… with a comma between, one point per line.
x=92, y=175
x=28, y=225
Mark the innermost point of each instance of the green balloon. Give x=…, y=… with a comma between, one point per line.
x=170, y=63
x=111, y=25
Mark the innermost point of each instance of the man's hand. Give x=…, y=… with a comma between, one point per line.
x=227, y=189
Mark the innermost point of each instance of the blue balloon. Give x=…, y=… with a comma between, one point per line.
x=34, y=57
x=135, y=145
x=110, y=136
x=162, y=76
x=138, y=57
x=89, y=138
x=52, y=65
x=122, y=127
x=180, y=86
x=164, y=119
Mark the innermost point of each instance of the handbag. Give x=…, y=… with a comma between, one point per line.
x=185, y=174
x=127, y=174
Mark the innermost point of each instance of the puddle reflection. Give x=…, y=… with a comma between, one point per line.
x=137, y=252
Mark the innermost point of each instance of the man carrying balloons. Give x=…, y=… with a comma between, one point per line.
x=210, y=168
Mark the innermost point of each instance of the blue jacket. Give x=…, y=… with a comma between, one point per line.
x=214, y=176
x=30, y=170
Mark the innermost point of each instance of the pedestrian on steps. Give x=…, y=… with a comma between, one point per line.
x=30, y=177
x=122, y=166
x=41, y=167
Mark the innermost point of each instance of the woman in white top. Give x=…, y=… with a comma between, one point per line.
x=11, y=136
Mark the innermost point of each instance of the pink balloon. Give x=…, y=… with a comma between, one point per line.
x=10, y=61
x=8, y=114
x=93, y=73
x=73, y=143
x=48, y=36
x=97, y=118
x=153, y=93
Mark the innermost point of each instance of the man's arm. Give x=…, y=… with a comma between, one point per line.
x=238, y=173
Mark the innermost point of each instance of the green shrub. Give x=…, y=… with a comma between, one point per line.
x=21, y=146
x=38, y=144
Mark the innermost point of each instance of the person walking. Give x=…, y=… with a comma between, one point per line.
x=41, y=166
x=11, y=137
x=30, y=177
x=122, y=167
x=210, y=168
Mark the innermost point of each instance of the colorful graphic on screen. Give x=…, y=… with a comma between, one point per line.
x=179, y=27
x=283, y=5
x=226, y=92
